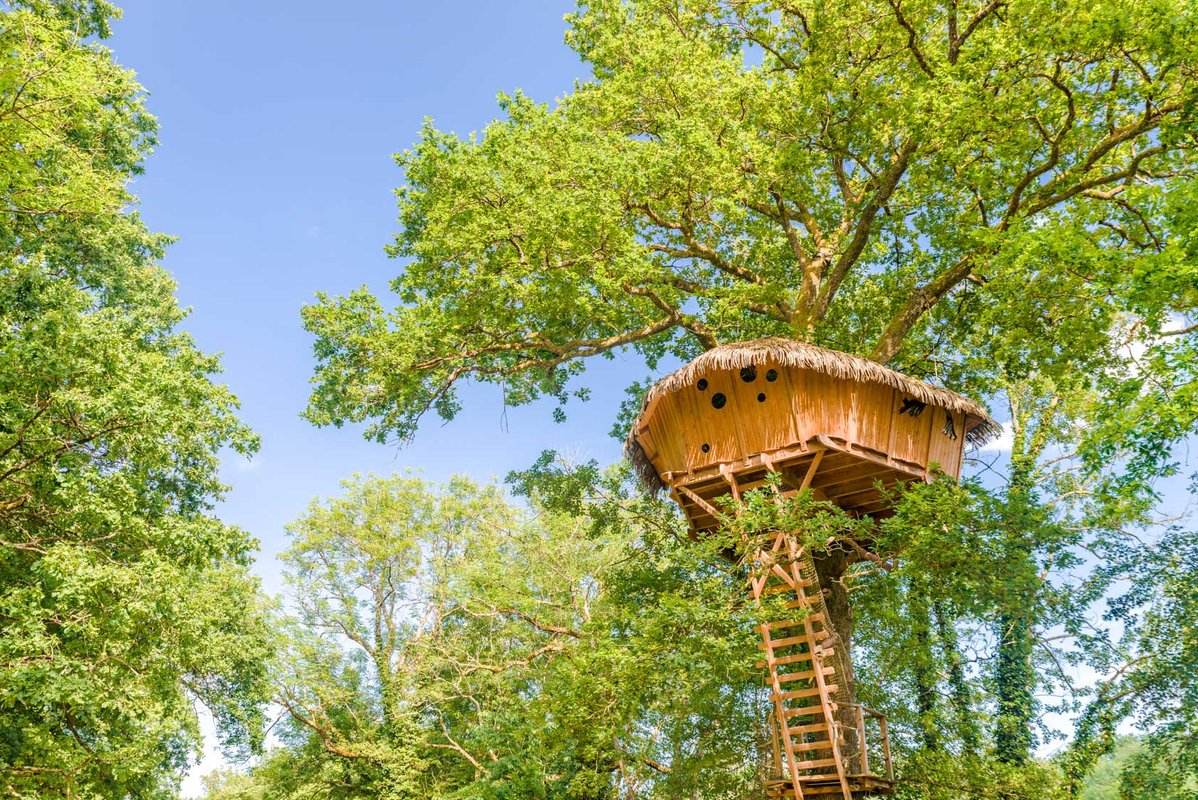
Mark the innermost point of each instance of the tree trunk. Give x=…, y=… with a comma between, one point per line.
x=1015, y=674
x=925, y=665
x=830, y=568
x=961, y=696
x=1015, y=678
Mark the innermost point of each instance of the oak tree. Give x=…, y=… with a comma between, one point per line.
x=994, y=196
x=123, y=599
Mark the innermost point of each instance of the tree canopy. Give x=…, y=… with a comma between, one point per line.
x=864, y=175
x=123, y=600
x=450, y=644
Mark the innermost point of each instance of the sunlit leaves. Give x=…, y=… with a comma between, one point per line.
x=123, y=602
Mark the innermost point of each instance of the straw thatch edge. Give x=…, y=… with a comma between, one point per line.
x=979, y=426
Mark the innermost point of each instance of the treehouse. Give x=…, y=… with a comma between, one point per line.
x=850, y=431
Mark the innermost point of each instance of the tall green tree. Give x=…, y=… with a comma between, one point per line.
x=996, y=196
x=123, y=600
x=842, y=173
x=448, y=643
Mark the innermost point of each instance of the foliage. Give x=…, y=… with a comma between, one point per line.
x=123, y=601
x=873, y=175
x=582, y=646
x=930, y=775
x=1128, y=773
x=450, y=644
x=997, y=196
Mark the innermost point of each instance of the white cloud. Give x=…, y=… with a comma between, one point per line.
x=1001, y=443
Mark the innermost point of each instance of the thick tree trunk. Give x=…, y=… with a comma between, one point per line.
x=1015, y=674
x=830, y=568
x=1016, y=678
x=925, y=666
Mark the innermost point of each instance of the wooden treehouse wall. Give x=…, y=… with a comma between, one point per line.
x=725, y=417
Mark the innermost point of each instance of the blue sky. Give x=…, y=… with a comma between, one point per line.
x=275, y=171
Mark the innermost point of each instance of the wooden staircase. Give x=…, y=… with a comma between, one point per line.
x=814, y=754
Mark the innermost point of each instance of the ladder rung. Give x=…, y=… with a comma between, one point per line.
x=814, y=617
x=799, y=730
x=815, y=712
x=787, y=677
x=792, y=640
x=806, y=747
x=778, y=644
x=795, y=659
x=784, y=623
x=806, y=711
x=817, y=763
x=784, y=660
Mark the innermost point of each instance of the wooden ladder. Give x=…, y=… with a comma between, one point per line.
x=802, y=658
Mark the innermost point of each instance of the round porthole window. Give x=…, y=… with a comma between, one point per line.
x=718, y=400
x=701, y=385
x=706, y=448
x=748, y=374
x=761, y=397
x=772, y=375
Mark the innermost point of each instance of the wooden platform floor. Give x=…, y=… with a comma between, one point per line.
x=821, y=786
x=842, y=473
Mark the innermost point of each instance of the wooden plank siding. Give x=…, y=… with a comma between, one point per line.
x=861, y=427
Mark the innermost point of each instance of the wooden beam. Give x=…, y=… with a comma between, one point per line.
x=727, y=474
x=699, y=501
x=811, y=470
x=869, y=456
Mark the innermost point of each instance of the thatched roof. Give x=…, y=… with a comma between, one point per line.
x=979, y=426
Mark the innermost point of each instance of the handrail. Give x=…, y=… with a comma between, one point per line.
x=862, y=712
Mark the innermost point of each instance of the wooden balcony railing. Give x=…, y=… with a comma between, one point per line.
x=868, y=744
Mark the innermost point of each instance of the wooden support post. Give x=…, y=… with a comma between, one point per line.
x=886, y=748
x=775, y=737
x=861, y=743
x=730, y=477
x=810, y=476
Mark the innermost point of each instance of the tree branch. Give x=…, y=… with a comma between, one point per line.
x=882, y=193
x=955, y=42
x=912, y=38
x=923, y=299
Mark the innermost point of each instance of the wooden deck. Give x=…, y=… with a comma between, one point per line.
x=860, y=785
x=852, y=477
